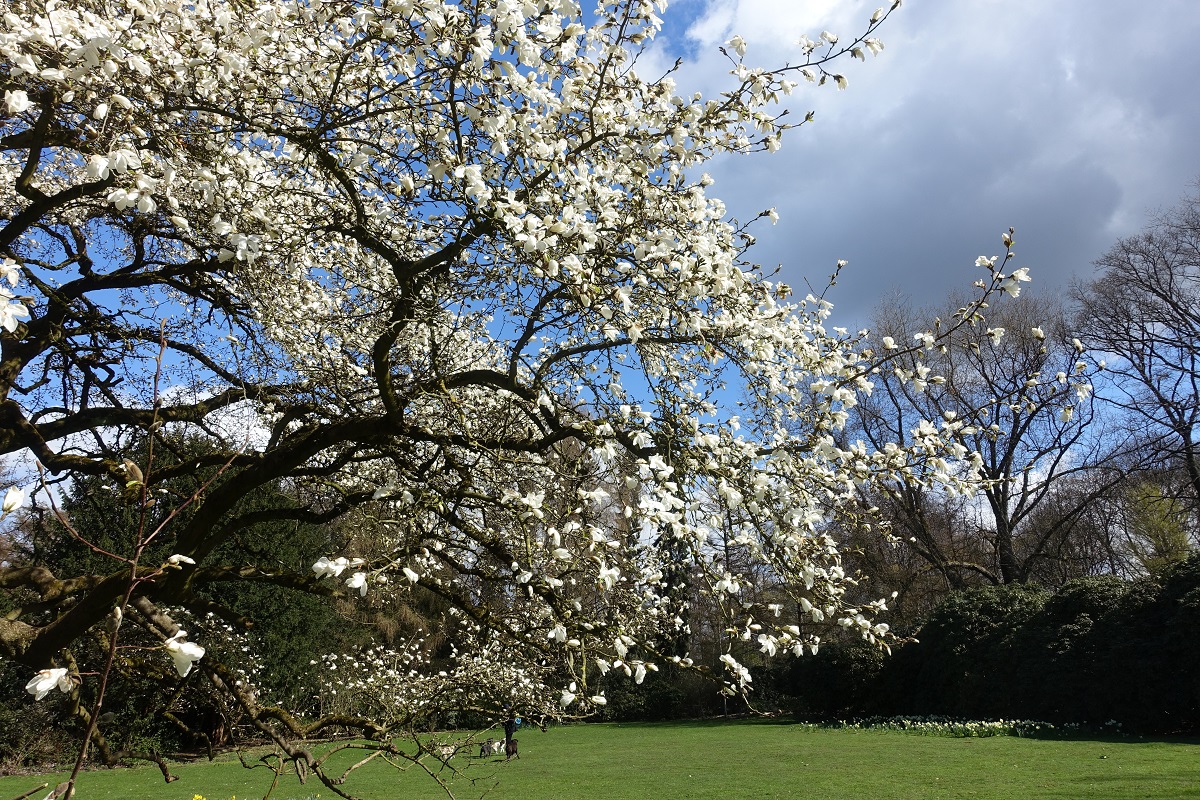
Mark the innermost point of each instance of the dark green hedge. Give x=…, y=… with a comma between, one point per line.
x=1099, y=649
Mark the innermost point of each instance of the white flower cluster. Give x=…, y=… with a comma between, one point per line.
x=974, y=729
x=12, y=310
x=409, y=687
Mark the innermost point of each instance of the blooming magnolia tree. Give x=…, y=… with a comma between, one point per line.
x=449, y=267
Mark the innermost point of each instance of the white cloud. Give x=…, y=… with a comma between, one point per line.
x=1070, y=121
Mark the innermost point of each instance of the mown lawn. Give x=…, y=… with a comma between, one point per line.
x=721, y=760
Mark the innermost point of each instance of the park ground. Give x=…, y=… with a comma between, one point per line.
x=726, y=760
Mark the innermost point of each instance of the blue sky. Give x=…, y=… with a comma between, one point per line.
x=1072, y=121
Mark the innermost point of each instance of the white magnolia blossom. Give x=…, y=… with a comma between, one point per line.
x=10, y=271
x=609, y=576
x=184, y=653
x=1011, y=285
x=358, y=581
x=48, y=679
x=326, y=566
x=17, y=101
x=739, y=672
x=12, y=310
x=14, y=498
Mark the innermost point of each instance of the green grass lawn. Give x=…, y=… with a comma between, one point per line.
x=721, y=760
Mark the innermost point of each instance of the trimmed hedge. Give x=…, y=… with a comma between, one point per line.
x=1098, y=650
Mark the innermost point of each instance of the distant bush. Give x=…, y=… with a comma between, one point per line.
x=670, y=693
x=1099, y=649
x=965, y=653
x=842, y=679
x=1097, y=654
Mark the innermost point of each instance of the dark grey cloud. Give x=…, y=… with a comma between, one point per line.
x=1071, y=121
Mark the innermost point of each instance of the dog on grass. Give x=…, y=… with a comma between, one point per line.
x=486, y=748
x=510, y=749
x=497, y=747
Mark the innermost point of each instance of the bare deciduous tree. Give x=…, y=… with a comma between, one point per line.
x=1020, y=397
x=1143, y=314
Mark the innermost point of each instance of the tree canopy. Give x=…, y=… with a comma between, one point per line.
x=449, y=272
